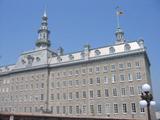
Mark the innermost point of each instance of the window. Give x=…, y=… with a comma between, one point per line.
x=98, y=80
x=91, y=81
x=98, y=93
x=114, y=92
x=138, y=76
x=105, y=68
x=129, y=65
x=70, y=95
x=97, y=69
x=91, y=108
x=42, y=85
x=90, y=70
x=115, y=107
x=84, y=81
x=83, y=71
x=97, y=52
x=77, y=110
x=130, y=77
x=64, y=83
x=52, y=96
x=113, y=78
x=91, y=94
x=121, y=66
x=64, y=109
x=58, y=96
x=137, y=64
x=139, y=90
x=70, y=109
x=70, y=83
x=77, y=95
x=127, y=47
x=106, y=93
x=57, y=109
x=99, y=109
x=77, y=82
x=124, y=108
x=113, y=67
x=111, y=50
x=64, y=96
x=123, y=90
x=58, y=84
x=77, y=72
x=84, y=94
x=84, y=108
x=42, y=97
x=133, y=105
x=122, y=78
x=108, y=110
x=105, y=80
x=131, y=89
x=70, y=73
x=52, y=85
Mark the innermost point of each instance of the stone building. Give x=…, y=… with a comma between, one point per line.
x=102, y=82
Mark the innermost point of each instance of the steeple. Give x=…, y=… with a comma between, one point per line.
x=43, y=33
x=119, y=32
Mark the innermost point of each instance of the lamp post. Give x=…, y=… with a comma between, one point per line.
x=147, y=99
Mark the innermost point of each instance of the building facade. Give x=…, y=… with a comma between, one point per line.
x=103, y=82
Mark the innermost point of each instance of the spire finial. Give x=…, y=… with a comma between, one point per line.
x=45, y=13
x=119, y=32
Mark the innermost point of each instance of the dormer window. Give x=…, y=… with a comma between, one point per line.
x=111, y=50
x=59, y=58
x=97, y=52
x=71, y=57
x=127, y=47
x=38, y=59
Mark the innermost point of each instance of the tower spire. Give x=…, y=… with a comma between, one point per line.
x=119, y=32
x=43, y=33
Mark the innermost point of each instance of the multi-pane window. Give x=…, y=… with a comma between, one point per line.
x=52, y=85
x=84, y=82
x=83, y=71
x=70, y=109
x=122, y=77
x=76, y=72
x=97, y=69
x=133, y=107
x=123, y=91
x=84, y=94
x=129, y=65
x=58, y=84
x=42, y=97
x=70, y=73
x=137, y=64
x=121, y=66
x=105, y=68
x=138, y=76
x=70, y=83
x=84, y=108
x=64, y=83
x=91, y=108
x=139, y=90
x=77, y=95
x=64, y=109
x=77, y=82
x=90, y=70
x=114, y=92
x=91, y=81
x=108, y=110
x=106, y=80
x=52, y=96
x=98, y=93
x=113, y=78
x=70, y=95
x=58, y=96
x=124, y=108
x=77, y=109
x=64, y=96
x=130, y=77
x=57, y=109
x=98, y=80
x=106, y=93
x=142, y=110
x=91, y=94
x=131, y=89
x=99, y=109
x=113, y=67
x=115, y=108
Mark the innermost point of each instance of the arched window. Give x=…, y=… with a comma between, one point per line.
x=111, y=50
x=97, y=52
x=127, y=47
x=71, y=57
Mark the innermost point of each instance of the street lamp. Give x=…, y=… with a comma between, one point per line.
x=147, y=99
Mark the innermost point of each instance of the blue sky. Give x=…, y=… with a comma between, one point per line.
x=74, y=23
